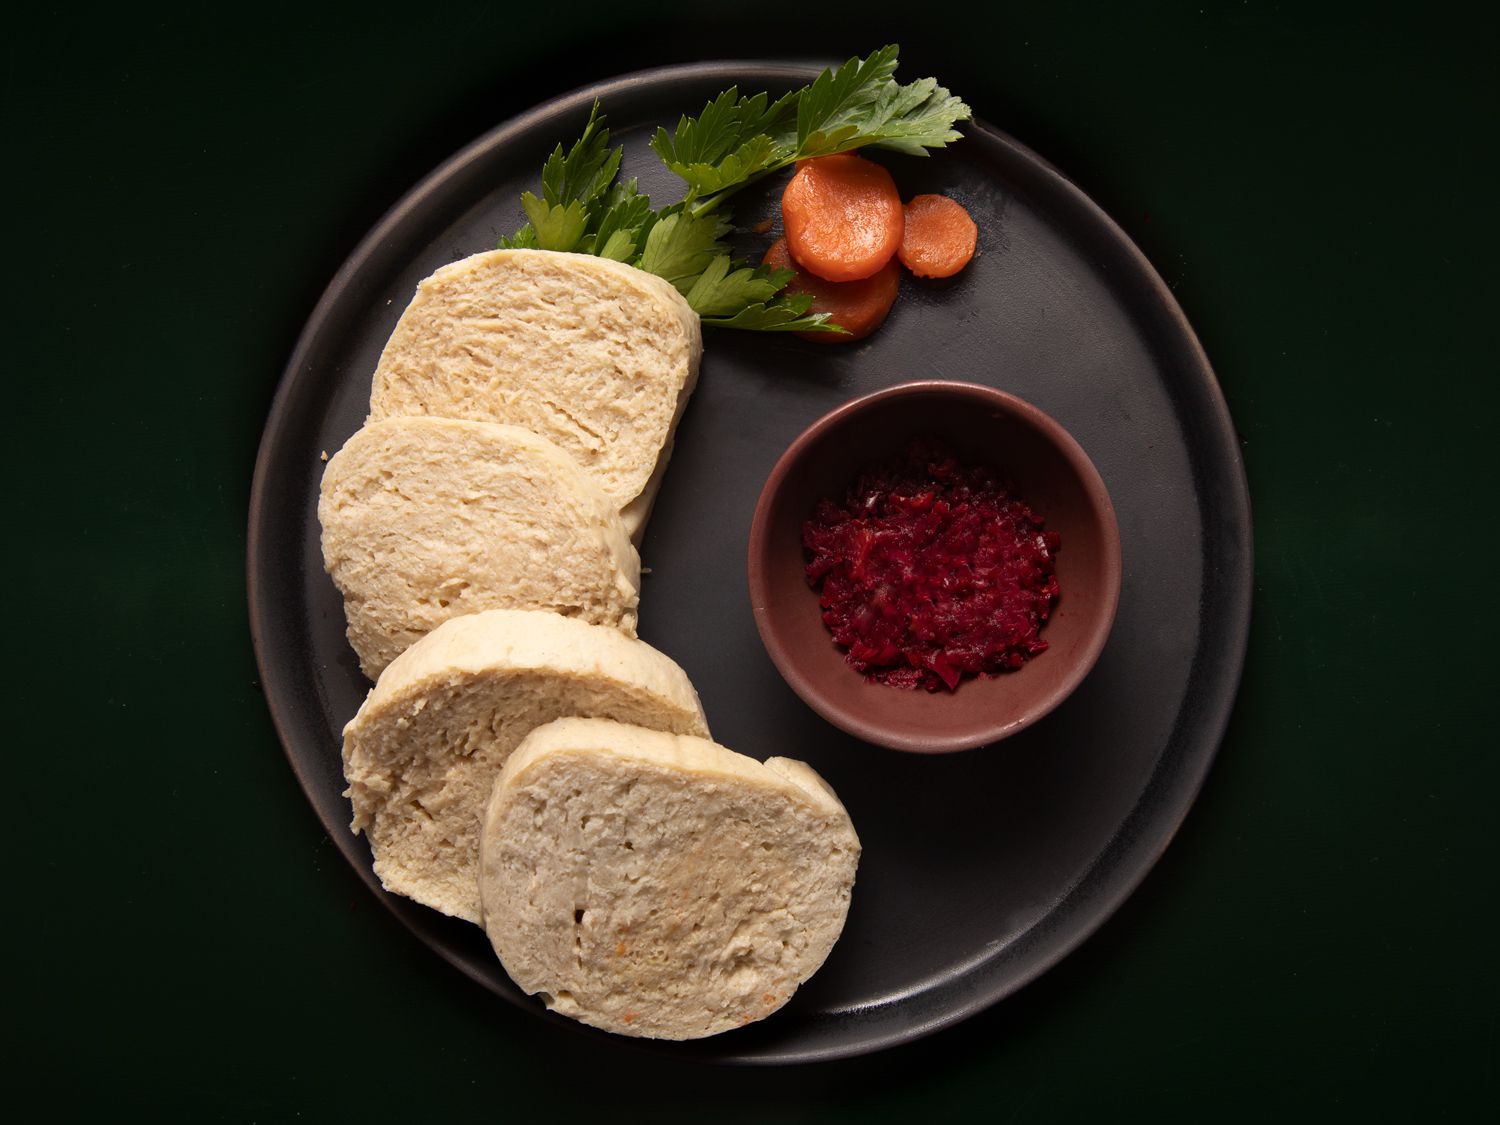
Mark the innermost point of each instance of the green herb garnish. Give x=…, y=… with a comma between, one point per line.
x=734, y=142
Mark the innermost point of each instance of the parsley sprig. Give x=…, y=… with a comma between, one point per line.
x=734, y=142
x=737, y=141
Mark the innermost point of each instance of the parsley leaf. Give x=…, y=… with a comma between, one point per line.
x=736, y=141
x=747, y=161
x=622, y=222
x=784, y=314
x=680, y=246
x=588, y=169
x=731, y=141
x=723, y=287
x=832, y=104
x=555, y=226
x=523, y=239
x=912, y=119
x=582, y=209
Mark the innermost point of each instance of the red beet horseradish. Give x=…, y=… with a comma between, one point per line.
x=930, y=571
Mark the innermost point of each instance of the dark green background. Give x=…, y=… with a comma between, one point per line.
x=1317, y=186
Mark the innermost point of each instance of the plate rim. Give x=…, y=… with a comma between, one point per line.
x=1142, y=849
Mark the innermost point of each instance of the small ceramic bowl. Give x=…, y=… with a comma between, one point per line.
x=1044, y=466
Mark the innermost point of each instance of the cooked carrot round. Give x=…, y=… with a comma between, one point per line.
x=938, y=238
x=843, y=217
x=860, y=306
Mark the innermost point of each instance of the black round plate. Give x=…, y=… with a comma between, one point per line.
x=980, y=869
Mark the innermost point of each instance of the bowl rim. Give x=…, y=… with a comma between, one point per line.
x=856, y=724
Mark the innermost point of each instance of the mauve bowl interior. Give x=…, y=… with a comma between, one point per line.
x=1043, y=465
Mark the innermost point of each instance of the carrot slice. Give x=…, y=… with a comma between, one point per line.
x=843, y=217
x=858, y=306
x=938, y=238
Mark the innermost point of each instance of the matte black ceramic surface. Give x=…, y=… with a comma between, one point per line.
x=979, y=870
